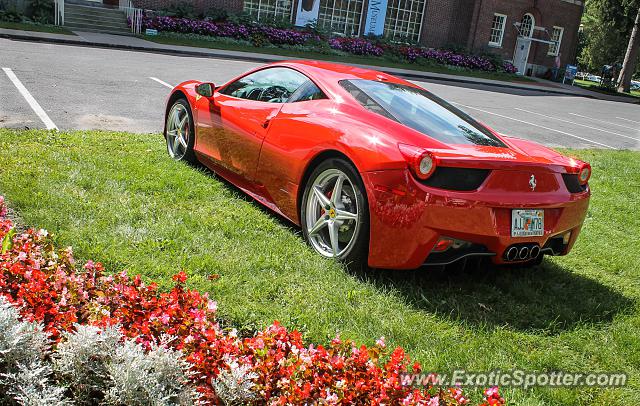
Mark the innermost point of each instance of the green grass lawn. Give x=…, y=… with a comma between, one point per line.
x=117, y=198
x=593, y=86
x=210, y=42
x=35, y=27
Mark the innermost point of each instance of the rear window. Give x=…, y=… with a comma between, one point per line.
x=420, y=110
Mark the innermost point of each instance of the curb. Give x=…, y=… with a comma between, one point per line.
x=251, y=57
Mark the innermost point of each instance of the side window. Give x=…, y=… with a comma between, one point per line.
x=308, y=91
x=272, y=85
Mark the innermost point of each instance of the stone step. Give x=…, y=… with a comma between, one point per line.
x=98, y=28
x=116, y=18
x=112, y=32
x=95, y=17
x=70, y=20
x=93, y=11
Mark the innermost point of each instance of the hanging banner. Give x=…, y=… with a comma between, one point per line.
x=307, y=12
x=376, y=13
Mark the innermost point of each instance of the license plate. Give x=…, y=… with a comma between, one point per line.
x=527, y=223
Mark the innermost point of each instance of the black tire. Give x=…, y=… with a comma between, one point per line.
x=188, y=154
x=356, y=253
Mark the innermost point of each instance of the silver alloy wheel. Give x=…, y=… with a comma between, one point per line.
x=332, y=214
x=178, y=131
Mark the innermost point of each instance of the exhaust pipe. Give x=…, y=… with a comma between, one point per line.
x=524, y=253
x=512, y=254
x=535, y=252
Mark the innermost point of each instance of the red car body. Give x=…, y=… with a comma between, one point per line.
x=267, y=150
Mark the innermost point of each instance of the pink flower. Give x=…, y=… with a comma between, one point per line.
x=165, y=318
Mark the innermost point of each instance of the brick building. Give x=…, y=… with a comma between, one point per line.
x=531, y=33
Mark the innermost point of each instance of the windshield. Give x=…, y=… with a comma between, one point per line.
x=420, y=110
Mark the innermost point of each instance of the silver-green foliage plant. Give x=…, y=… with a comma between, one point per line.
x=25, y=377
x=32, y=385
x=81, y=361
x=156, y=377
x=234, y=385
x=21, y=343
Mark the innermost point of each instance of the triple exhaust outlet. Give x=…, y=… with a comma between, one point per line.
x=522, y=252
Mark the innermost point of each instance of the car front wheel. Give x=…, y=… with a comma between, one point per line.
x=179, y=133
x=334, y=212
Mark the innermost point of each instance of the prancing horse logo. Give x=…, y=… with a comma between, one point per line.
x=532, y=183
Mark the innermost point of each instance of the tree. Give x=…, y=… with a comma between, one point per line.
x=630, y=58
x=607, y=26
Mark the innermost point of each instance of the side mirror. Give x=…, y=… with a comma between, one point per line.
x=205, y=89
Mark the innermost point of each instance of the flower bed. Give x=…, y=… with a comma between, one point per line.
x=276, y=36
x=261, y=34
x=356, y=46
x=75, y=305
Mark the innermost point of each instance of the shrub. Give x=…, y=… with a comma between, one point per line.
x=81, y=361
x=156, y=377
x=21, y=343
x=216, y=14
x=32, y=385
x=179, y=9
x=23, y=347
x=11, y=15
x=41, y=11
x=234, y=385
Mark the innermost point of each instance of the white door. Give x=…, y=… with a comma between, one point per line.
x=521, y=55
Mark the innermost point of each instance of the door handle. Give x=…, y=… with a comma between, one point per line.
x=266, y=123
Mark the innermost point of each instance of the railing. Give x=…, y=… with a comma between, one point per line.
x=134, y=15
x=59, y=12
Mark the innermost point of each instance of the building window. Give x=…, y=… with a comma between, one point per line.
x=403, y=22
x=269, y=10
x=340, y=16
x=497, y=30
x=556, y=38
x=527, y=25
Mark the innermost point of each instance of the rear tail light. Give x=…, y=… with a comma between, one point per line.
x=582, y=169
x=584, y=174
x=577, y=176
x=420, y=161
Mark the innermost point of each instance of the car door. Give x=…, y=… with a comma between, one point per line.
x=239, y=115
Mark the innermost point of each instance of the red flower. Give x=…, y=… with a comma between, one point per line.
x=180, y=277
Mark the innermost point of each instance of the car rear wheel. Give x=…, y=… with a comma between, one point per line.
x=179, y=132
x=334, y=212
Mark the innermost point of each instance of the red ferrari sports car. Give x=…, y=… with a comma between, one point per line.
x=377, y=170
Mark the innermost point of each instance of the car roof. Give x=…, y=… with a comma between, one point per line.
x=329, y=74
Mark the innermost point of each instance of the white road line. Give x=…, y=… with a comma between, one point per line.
x=626, y=119
x=540, y=126
x=606, y=122
x=163, y=83
x=32, y=102
x=573, y=122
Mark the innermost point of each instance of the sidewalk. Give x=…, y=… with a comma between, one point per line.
x=138, y=44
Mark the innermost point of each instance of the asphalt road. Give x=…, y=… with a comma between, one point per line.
x=92, y=88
